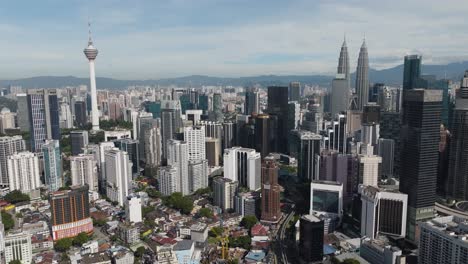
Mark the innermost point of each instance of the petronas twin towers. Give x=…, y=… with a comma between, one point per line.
x=362, y=73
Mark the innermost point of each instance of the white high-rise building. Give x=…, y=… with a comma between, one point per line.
x=23, y=170
x=118, y=175
x=369, y=169
x=198, y=174
x=224, y=191
x=383, y=212
x=7, y=120
x=53, y=173
x=84, y=171
x=152, y=146
x=178, y=156
x=91, y=53
x=66, y=118
x=169, y=180
x=8, y=146
x=18, y=247
x=244, y=166
x=195, y=138
x=133, y=209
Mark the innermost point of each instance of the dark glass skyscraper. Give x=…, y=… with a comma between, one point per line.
x=412, y=71
x=278, y=108
x=420, y=134
x=252, y=101
x=294, y=91
x=131, y=147
x=311, y=239
x=362, y=77
x=80, y=114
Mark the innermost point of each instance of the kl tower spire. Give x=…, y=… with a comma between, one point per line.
x=91, y=53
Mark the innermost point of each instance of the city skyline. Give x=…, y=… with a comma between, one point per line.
x=178, y=38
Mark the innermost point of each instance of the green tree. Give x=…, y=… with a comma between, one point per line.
x=16, y=196
x=153, y=193
x=215, y=231
x=242, y=242
x=202, y=191
x=180, y=202
x=205, y=212
x=7, y=221
x=99, y=222
x=63, y=244
x=80, y=239
x=249, y=221
x=139, y=252
x=15, y=262
x=350, y=261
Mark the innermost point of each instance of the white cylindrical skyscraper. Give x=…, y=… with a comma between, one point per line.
x=91, y=53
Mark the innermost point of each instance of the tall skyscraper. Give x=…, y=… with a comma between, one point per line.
x=311, y=232
x=278, y=108
x=213, y=151
x=294, y=91
x=419, y=153
x=91, y=53
x=23, y=170
x=81, y=118
x=118, y=169
x=70, y=212
x=383, y=212
x=271, y=211
x=152, y=149
x=229, y=136
x=195, y=138
x=198, y=174
x=386, y=150
x=8, y=146
x=252, y=101
x=362, y=77
x=244, y=166
x=131, y=147
x=169, y=180
x=305, y=147
x=340, y=94
x=217, y=108
x=178, y=156
x=412, y=71
x=52, y=165
x=83, y=170
x=171, y=122
x=264, y=134
x=44, y=120
x=23, y=116
x=343, y=61
x=457, y=182
x=79, y=140
x=224, y=191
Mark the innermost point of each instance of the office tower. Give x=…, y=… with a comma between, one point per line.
x=343, y=61
x=23, y=172
x=44, y=121
x=252, y=101
x=52, y=165
x=203, y=102
x=18, y=247
x=411, y=71
x=178, y=156
x=370, y=131
x=335, y=134
x=70, y=212
x=339, y=94
x=131, y=147
x=383, y=212
x=369, y=169
x=133, y=209
x=294, y=115
x=390, y=129
x=142, y=120
x=99, y=152
x=229, y=137
x=443, y=164
x=185, y=103
x=153, y=108
x=65, y=116
x=79, y=140
x=305, y=146
x=118, y=171
x=217, y=108
x=7, y=120
x=313, y=118
x=419, y=153
x=386, y=150
x=247, y=203
x=278, y=108
x=457, y=182
x=379, y=251
x=84, y=170
x=326, y=197
x=224, y=191
x=170, y=122
x=198, y=174
x=115, y=111
x=22, y=115
x=8, y=146
x=194, y=116
x=195, y=138
x=91, y=53
x=311, y=239
x=243, y=165
x=432, y=83
x=389, y=99
x=169, y=180
x=213, y=151
x=81, y=118
x=271, y=212
x=362, y=77
x=264, y=134
x=213, y=129
x=294, y=91
x=152, y=149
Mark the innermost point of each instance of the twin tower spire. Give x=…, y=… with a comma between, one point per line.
x=362, y=72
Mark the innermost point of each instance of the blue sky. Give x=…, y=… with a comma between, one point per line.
x=143, y=39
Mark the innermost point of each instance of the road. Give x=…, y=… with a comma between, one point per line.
x=450, y=211
x=280, y=239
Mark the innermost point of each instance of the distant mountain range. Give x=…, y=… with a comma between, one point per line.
x=391, y=76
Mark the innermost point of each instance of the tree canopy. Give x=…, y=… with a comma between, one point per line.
x=16, y=196
x=179, y=202
x=249, y=221
x=63, y=244
x=205, y=212
x=80, y=239
x=7, y=221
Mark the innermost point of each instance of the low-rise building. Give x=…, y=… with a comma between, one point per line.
x=129, y=234
x=199, y=232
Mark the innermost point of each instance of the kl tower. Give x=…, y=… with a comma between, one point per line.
x=91, y=53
